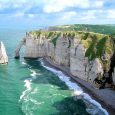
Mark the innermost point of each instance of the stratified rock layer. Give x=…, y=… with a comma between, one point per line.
x=62, y=51
x=35, y=47
x=81, y=67
x=68, y=51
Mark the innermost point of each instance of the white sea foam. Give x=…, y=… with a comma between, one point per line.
x=34, y=91
x=78, y=91
x=36, y=102
x=28, y=88
x=23, y=63
x=28, y=84
x=33, y=74
x=26, y=94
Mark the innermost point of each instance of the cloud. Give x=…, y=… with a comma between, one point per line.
x=52, y=6
x=89, y=15
x=31, y=15
x=68, y=15
x=55, y=12
x=18, y=14
x=97, y=4
x=111, y=14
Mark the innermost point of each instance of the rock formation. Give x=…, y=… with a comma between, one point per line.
x=3, y=55
x=62, y=51
x=35, y=46
x=68, y=51
x=17, y=55
x=81, y=67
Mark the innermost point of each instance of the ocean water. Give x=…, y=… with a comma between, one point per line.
x=28, y=87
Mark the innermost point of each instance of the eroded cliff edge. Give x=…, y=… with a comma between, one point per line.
x=86, y=55
x=3, y=54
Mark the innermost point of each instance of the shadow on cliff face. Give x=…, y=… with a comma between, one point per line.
x=70, y=106
x=44, y=76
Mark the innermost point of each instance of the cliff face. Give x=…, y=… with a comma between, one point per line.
x=62, y=51
x=3, y=55
x=68, y=51
x=35, y=47
x=81, y=67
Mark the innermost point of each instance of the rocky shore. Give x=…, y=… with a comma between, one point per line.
x=65, y=49
x=73, y=53
x=105, y=96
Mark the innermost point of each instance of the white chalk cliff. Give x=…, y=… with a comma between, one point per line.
x=62, y=51
x=35, y=46
x=81, y=67
x=3, y=55
x=67, y=52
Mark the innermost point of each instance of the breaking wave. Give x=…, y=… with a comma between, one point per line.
x=94, y=107
x=25, y=97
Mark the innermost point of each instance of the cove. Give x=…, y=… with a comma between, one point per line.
x=26, y=87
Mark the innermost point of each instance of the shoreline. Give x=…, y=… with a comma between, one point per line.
x=105, y=97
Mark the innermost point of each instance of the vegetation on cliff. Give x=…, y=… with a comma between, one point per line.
x=103, y=29
x=97, y=45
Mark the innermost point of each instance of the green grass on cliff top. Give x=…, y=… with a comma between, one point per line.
x=96, y=44
x=79, y=30
x=102, y=29
x=54, y=35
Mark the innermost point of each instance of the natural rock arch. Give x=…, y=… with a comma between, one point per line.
x=17, y=55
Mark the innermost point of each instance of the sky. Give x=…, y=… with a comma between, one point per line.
x=43, y=13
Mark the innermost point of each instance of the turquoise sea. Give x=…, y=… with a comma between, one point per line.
x=27, y=87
